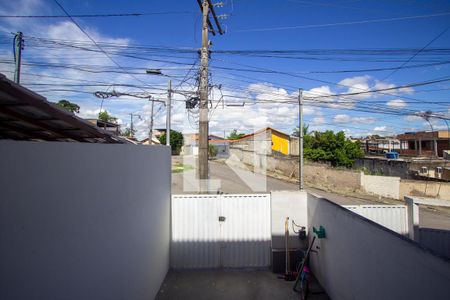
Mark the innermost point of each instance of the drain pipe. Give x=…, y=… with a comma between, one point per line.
x=286, y=242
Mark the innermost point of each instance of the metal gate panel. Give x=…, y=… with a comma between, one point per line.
x=393, y=217
x=246, y=232
x=210, y=231
x=195, y=231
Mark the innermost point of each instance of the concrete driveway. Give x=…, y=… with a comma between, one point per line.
x=231, y=284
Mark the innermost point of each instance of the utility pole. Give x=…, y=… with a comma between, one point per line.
x=131, y=125
x=300, y=144
x=168, y=112
x=18, y=47
x=150, y=130
x=205, y=6
x=203, y=121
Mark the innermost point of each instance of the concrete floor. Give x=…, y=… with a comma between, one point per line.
x=231, y=284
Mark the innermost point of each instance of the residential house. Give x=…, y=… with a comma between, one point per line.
x=158, y=132
x=265, y=141
x=381, y=145
x=107, y=126
x=424, y=143
x=190, y=146
x=145, y=141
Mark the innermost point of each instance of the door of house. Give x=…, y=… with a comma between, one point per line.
x=213, y=231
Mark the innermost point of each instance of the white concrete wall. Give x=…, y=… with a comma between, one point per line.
x=83, y=221
x=385, y=186
x=292, y=204
x=360, y=259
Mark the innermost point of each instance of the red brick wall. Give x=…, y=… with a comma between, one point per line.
x=441, y=146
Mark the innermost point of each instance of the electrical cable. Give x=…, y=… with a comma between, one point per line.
x=100, y=15
x=415, y=54
x=94, y=42
x=346, y=23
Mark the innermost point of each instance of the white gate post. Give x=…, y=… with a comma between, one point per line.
x=413, y=219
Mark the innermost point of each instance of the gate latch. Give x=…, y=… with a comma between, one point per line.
x=221, y=219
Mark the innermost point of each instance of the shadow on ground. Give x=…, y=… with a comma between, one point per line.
x=230, y=284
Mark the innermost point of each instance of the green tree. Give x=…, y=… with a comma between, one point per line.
x=176, y=141
x=127, y=132
x=70, y=106
x=332, y=147
x=234, y=135
x=212, y=150
x=106, y=117
x=296, y=130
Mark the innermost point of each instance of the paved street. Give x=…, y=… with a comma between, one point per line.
x=229, y=182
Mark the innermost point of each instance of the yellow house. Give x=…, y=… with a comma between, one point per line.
x=279, y=140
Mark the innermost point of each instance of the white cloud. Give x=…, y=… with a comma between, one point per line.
x=317, y=121
x=341, y=118
x=380, y=128
x=363, y=120
x=356, y=81
x=357, y=84
x=379, y=85
x=88, y=113
x=396, y=103
x=323, y=96
x=413, y=118
x=318, y=92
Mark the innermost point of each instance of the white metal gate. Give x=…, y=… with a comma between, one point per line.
x=211, y=231
x=393, y=217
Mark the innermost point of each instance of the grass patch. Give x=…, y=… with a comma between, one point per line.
x=178, y=168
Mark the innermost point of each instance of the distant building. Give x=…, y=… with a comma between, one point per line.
x=380, y=145
x=108, y=126
x=445, y=175
x=265, y=141
x=424, y=143
x=158, y=132
x=145, y=141
x=222, y=145
x=190, y=146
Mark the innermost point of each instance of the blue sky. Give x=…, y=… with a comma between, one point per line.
x=251, y=25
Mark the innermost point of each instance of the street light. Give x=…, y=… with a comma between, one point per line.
x=154, y=71
x=168, y=106
x=114, y=93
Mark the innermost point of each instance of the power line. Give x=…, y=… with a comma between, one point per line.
x=241, y=78
x=346, y=23
x=100, y=15
x=269, y=53
x=389, y=88
x=95, y=43
x=262, y=70
x=415, y=54
x=331, y=5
